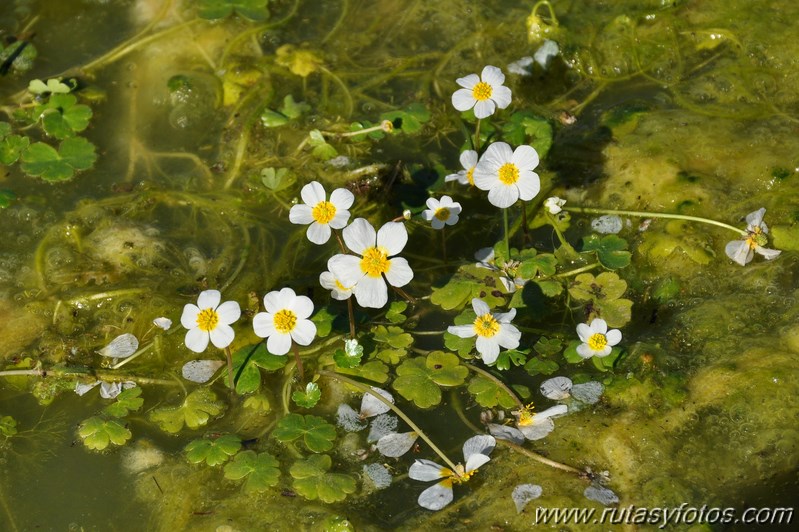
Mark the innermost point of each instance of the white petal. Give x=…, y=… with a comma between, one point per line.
x=342, y=199
x=209, y=299
x=613, y=336
x=372, y=406
x=480, y=444
x=497, y=154
x=484, y=109
x=754, y=219
x=399, y=272
x=348, y=419
x=552, y=411
x=381, y=426
x=82, y=389
x=313, y=193
x=359, y=235
x=371, y=292
x=200, y=371
x=433, y=204
x=598, y=325
x=318, y=233
x=378, y=474
x=122, y=346
x=425, y=470
x=492, y=75
x=196, y=340
x=273, y=302
x=476, y=461
x=584, y=332
x=480, y=307
x=508, y=336
x=506, y=432
x=340, y=219
x=285, y=298
x=488, y=349
x=525, y=157
x=278, y=343
x=166, y=323
x=468, y=159
x=538, y=431
x=468, y=82
x=523, y=494
x=503, y=196
x=189, y=317
x=229, y=312
x=304, y=332
x=739, y=251
x=601, y=494
x=501, y=96
x=222, y=335
x=346, y=268
x=436, y=496
x=463, y=100
x=556, y=388
x=767, y=253
x=462, y=331
x=585, y=351
x=263, y=324
x=393, y=236
x=428, y=215
x=588, y=392
x=396, y=444
x=302, y=306
x=328, y=281
x=436, y=224
x=301, y=214
x=529, y=185
x=605, y=351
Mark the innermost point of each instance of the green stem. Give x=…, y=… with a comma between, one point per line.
x=229, y=357
x=351, y=314
x=366, y=389
x=496, y=381
x=476, y=142
x=507, y=232
x=644, y=214
x=582, y=269
x=539, y=458
x=444, y=244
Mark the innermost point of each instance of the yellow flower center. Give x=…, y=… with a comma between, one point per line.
x=461, y=475
x=285, y=321
x=323, y=212
x=482, y=91
x=508, y=173
x=470, y=175
x=525, y=415
x=442, y=214
x=486, y=326
x=597, y=342
x=207, y=320
x=756, y=238
x=375, y=262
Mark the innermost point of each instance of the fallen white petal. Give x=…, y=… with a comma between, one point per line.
x=122, y=346
x=200, y=371
x=523, y=494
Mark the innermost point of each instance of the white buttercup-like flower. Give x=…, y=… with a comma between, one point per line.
x=285, y=319
x=508, y=174
x=208, y=320
x=321, y=214
x=597, y=340
x=742, y=251
x=376, y=260
x=468, y=160
x=493, y=329
x=554, y=204
x=441, y=212
x=337, y=289
x=484, y=93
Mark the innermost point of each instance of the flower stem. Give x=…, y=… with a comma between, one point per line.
x=366, y=389
x=476, y=142
x=351, y=312
x=496, y=381
x=444, y=244
x=576, y=271
x=299, y=361
x=229, y=357
x=644, y=214
x=340, y=242
x=507, y=232
x=539, y=458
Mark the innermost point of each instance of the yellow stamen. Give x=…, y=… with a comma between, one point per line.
x=470, y=175
x=597, y=342
x=486, y=326
x=482, y=91
x=207, y=320
x=442, y=214
x=525, y=415
x=285, y=321
x=375, y=262
x=323, y=212
x=508, y=173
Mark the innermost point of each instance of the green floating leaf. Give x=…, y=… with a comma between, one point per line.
x=539, y=366
x=321, y=149
x=313, y=481
x=524, y=127
x=276, y=179
x=392, y=356
x=53, y=86
x=309, y=397
x=270, y=118
x=419, y=379
x=126, y=402
x=605, y=286
x=611, y=250
x=8, y=426
x=292, y=109
x=12, y=147
x=253, y=358
x=408, y=120
x=254, y=10
x=261, y=470
x=317, y=434
x=213, y=451
x=5, y=129
x=42, y=160
x=199, y=407
x=396, y=310
x=543, y=264
x=608, y=362
x=549, y=287
x=345, y=361
x=323, y=319
x=453, y=295
x=462, y=346
x=98, y=433
x=62, y=117
x=469, y=282
x=488, y=394
x=548, y=346
x=393, y=336
x=509, y=358
x=258, y=402
x=570, y=353
x=374, y=370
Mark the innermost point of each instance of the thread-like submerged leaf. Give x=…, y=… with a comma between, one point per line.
x=313, y=480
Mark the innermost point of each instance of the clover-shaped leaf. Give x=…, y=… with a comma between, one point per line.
x=42, y=160
x=323, y=319
x=62, y=116
x=374, y=370
x=549, y=287
x=258, y=402
x=8, y=426
x=247, y=364
x=292, y=109
x=547, y=346
x=462, y=346
x=469, y=282
x=53, y=86
x=507, y=359
x=453, y=295
x=419, y=378
x=393, y=336
x=260, y=469
x=538, y=365
x=300, y=62
x=97, y=433
x=394, y=314
x=11, y=147
x=313, y=481
x=276, y=179
x=213, y=451
x=316, y=433
x=544, y=264
x=524, y=127
x=198, y=408
x=127, y=401
x=488, y=394
x=616, y=312
x=321, y=149
x=391, y=356
x=254, y=10
x=611, y=250
x=309, y=397
x=606, y=286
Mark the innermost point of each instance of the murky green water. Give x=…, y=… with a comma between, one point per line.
x=679, y=107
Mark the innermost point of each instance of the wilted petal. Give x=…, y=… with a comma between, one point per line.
x=480, y=444
x=425, y=470
x=739, y=251
x=436, y=496
x=506, y=432
x=348, y=419
x=382, y=425
x=200, y=371
x=588, y=392
x=523, y=494
x=396, y=444
x=372, y=406
x=556, y=388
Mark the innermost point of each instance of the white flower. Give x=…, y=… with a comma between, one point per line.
x=485, y=93
x=508, y=175
x=209, y=320
x=365, y=273
x=554, y=204
x=469, y=160
x=475, y=454
x=510, y=281
x=441, y=212
x=492, y=330
x=333, y=283
x=321, y=213
x=742, y=251
x=285, y=319
x=537, y=426
x=597, y=339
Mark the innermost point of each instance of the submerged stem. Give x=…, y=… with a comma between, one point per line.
x=229, y=357
x=644, y=214
x=507, y=233
x=366, y=389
